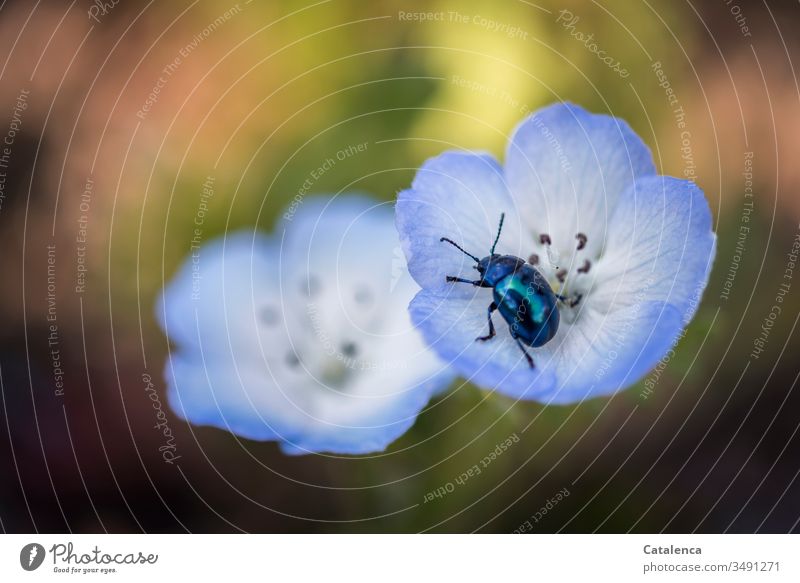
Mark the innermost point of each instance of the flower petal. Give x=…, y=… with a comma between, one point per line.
x=660, y=247
x=459, y=195
x=451, y=325
x=567, y=168
x=218, y=392
x=364, y=420
x=251, y=399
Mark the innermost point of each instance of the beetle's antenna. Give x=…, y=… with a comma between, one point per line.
x=454, y=244
x=500, y=228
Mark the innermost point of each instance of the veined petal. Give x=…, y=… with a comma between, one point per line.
x=458, y=195
x=660, y=247
x=567, y=169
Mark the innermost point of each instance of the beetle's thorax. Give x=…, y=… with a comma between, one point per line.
x=493, y=268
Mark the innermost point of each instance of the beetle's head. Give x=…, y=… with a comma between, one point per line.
x=495, y=267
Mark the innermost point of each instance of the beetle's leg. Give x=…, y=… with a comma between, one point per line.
x=525, y=352
x=492, y=308
x=450, y=279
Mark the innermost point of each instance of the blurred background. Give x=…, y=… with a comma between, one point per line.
x=113, y=116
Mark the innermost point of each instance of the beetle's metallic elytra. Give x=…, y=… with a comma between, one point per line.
x=521, y=293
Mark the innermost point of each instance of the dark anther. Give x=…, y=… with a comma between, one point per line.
x=561, y=274
x=292, y=359
x=581, y=240
x=587, y=265
x=269, y=315
x=544, y=239
x=349, y=349
x=533, y=259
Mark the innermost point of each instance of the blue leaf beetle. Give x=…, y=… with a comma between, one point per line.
x=521, y=294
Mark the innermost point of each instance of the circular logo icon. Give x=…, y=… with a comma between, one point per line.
x=31, y=556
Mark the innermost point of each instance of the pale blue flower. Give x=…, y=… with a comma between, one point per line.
x=302, y=337
x=583, y=201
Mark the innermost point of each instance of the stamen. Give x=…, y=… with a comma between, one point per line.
x=586, y=266
x=561, y=275
x=533, y=259
x=292, y=359
x=581, y=240
x=544, y=239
